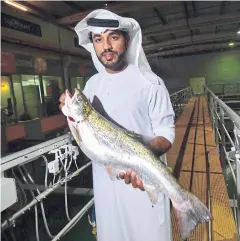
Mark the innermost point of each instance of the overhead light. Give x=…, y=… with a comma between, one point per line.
x=16, y=5
x=231, y=44
x=238, y=32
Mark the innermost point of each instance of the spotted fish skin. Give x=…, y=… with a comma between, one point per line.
x=117, y=149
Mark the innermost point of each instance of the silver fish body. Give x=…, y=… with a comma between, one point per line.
x=118, y=150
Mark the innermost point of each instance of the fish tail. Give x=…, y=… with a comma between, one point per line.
x=190, y=213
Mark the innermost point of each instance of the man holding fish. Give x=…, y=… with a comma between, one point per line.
x=130, y=127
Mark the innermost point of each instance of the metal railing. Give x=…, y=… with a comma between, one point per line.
x=18, y=161
x=179, y=99
x=226, y=125
x=226, y=91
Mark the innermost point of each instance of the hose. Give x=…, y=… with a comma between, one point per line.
x=66, y=173
x=35, y=207
x=46, y=171
x=41, y=203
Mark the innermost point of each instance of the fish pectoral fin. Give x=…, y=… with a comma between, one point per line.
x=152, y=193
x=113, y=173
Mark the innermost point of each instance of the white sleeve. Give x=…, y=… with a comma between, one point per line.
x=161, y=112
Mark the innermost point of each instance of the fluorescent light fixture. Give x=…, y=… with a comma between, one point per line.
x=231, y=44
x=238, y=32
x=16, y=5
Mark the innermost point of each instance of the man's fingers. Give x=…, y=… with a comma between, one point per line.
x=122, y=175
x=128, y=177
x=62, y=101
x=62, y=98
x=131, y=177
x=140, y=185
x=134, y=179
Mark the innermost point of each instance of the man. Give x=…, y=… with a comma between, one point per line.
x=128, y=93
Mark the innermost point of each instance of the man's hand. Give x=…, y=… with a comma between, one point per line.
x=131, y=177
x=62, y=101
x=160, y=145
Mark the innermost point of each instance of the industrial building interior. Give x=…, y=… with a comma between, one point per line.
x=194, y=46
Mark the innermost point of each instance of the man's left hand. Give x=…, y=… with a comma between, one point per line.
x=131, y=177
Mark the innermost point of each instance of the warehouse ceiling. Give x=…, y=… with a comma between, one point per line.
x=172, y=28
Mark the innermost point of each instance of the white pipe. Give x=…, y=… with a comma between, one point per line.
x=74, y=220
x=41, y=203
x=35, y=207
x=180, y=91
x=44, y=194
x=231, y=114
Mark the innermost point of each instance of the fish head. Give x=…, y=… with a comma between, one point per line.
x=78, y=105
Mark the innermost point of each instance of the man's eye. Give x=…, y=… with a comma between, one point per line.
x=97, y=40
x=115, y=37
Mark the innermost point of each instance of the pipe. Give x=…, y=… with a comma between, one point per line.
x=73, y=222
x=41, y=196
x=209, y=201
x=231, y=114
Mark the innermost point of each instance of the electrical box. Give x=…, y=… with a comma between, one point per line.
x=8, y=193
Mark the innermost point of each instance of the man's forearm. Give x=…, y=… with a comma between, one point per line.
x=160, y=145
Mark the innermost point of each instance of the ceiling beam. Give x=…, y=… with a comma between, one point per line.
x=154, y=39
x=186, y=11
x=222, y=7
x=192, y=49
x=194, y=9
x=37, y=11
x=173, y=36
x=74, y=6
x=198, y=22
x=118, y=8
x=82, y=53
x=202, y=38
x=217, y=29
x=159, y=15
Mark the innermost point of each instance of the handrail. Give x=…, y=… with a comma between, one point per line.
x=228, y=156
x=231, y=114
x=223, y=90
x=179, y=91
x=223, y=83
x=179, y=99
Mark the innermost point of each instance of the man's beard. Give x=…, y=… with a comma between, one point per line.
x=116, y=66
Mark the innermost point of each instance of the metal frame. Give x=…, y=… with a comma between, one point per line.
x=74, y=220
x=32, y=153
x=226, y=91
x=218, y=111
x=179, y=99
x=40, y=197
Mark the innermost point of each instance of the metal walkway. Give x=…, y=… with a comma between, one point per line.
x=197, y=166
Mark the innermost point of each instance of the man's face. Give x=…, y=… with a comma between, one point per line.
x=110, y=48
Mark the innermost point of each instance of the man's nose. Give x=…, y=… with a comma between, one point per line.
x=107, y=45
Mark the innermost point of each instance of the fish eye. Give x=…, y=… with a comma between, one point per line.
x=79, y=100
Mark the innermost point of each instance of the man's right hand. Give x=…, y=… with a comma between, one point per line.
x=62, y=101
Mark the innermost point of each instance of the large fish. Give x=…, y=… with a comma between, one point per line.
x=118, y=149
